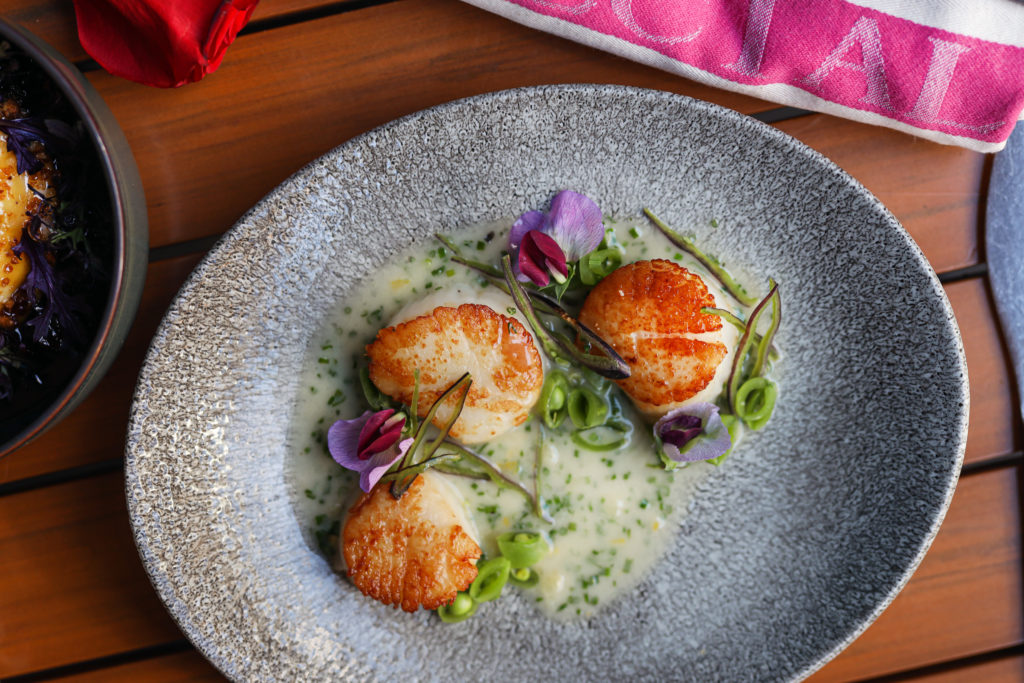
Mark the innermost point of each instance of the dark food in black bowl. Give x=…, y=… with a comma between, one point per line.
x=55, y=246
x=73, y=237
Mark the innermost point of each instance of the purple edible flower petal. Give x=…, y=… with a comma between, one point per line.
x=575, y=225
x=531, y=220
x=575, y=222
x=684, y=429
x=379, y=464
x=539, y=256
x=693, y=432
x=368, y=444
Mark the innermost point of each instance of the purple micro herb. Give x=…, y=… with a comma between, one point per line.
x=368, y=444
x=691, y=433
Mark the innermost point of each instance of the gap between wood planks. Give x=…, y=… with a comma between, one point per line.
x=963, y=664
x=270, y=23
x=163, y=649
x=204, y=244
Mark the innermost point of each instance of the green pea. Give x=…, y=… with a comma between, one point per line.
x=523, y=549
x=460, y=609
x=553, y=399
x=490, y=578
x=524, y=577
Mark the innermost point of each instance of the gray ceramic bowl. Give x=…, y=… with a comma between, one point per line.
x=130, y=239
x=791, y=548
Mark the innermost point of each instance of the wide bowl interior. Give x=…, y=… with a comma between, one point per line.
x=790, y=548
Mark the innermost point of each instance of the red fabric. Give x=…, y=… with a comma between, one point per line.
x=166, y=43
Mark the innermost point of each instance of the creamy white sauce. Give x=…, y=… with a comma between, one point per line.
x=614, y=512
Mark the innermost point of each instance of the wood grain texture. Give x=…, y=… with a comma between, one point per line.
x=73, y=586
x=934, y=190
x=1008, y=669
x=966, y=596
x=994, y=419
x=74, y=589
x=54, y=20
x=184, y=667
x=95, y=430
x=210, y=150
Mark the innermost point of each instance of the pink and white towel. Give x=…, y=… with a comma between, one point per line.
x=951, y=71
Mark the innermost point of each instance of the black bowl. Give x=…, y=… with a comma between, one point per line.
x=129, y=243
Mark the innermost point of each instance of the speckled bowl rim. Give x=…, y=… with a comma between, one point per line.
x=161, y=581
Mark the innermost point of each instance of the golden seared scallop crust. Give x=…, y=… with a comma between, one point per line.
x=496, y=349
x=649, y=311
x=411, y=552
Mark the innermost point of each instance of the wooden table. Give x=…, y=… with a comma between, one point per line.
x=306, y=75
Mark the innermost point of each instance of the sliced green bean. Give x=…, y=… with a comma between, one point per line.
x=766, y=342
x=607, y=437
x=598, y=264
x=736, y=374
x=523, y=548
x=491, y=577
x=375, y=398
x=553, y=398
x=736, y=322
x=400, y=486
x=720, y=274
x=755, y=401
x=608, y=365
x=586, y=408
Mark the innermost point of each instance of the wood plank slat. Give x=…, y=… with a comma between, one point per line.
x=183, y=667
x=54, y=20
x=964, y=599
x=208, y=151
x=74, y=589
x=994, y=426
x=73, y=586
x=95, y=430
x=934, y=190
x=1009, y=669
x=202, y=170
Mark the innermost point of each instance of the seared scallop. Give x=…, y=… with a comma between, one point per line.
x=447, y=342
x=650, y=313
x=415, y=551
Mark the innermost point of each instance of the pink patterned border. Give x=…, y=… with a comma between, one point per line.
x=861, y=58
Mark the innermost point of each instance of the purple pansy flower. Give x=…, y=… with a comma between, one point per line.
x=574, y=224
x=691, y=433
x=368, y=444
